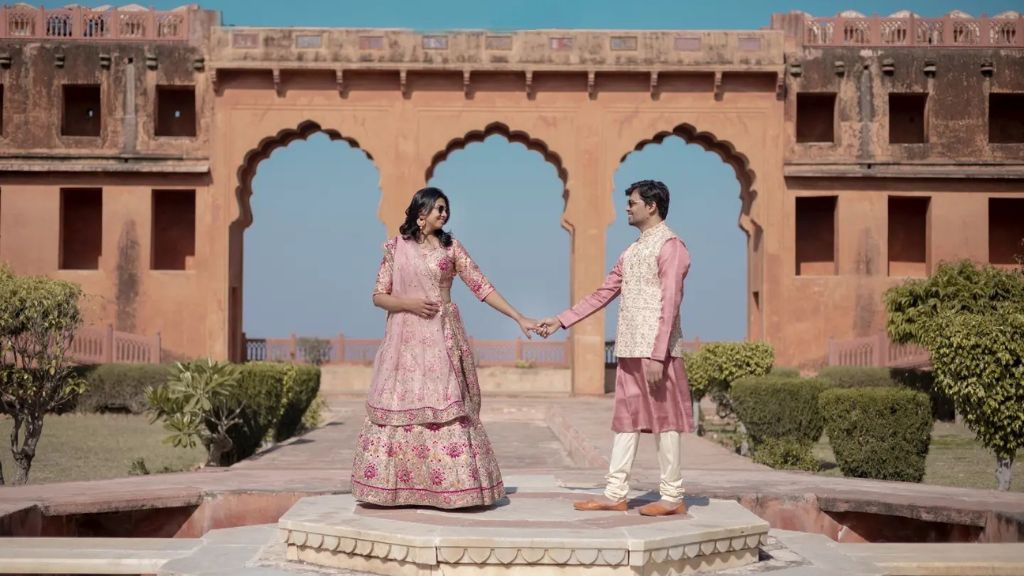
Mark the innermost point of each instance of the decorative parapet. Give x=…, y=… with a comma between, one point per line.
x=105, y=23
x=954, y=30
x=537, y=50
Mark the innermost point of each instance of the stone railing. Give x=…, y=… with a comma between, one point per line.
x=104, y=345
x=342, y=350
x=23, y=22
x=911, y=30
x=876, y=350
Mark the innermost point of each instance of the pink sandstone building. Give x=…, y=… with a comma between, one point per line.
x=868, y=149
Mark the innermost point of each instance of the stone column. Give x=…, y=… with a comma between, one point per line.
x=587, y=215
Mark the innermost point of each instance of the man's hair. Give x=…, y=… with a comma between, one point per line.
x=651, y=191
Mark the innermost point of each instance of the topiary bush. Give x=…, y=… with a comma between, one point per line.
x=873, y=377
x=300, y=385
x=856, y=376
x=261, y=386
x=880, y=433
x=782, y=418
x=786, y=454
x=714, y=367
x=119, y=387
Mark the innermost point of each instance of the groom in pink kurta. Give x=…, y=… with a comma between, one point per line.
x=652, y=394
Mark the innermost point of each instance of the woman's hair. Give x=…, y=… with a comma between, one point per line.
x=422, y=203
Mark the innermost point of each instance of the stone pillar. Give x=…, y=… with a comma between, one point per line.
x=587, y=215
x=402, y=170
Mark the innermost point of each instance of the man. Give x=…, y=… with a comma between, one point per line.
x=651, y=390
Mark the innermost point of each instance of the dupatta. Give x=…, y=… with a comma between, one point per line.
x=414, y=378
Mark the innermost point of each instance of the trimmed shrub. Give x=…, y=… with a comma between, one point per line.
x=276, y=396
x=786, y=454
x=119, y=387
x=314, y=415
x=880, y=433
x=784, y=372
x=261, y=386
x=782, y=418
x=873, y=377
x=300, y=383
x=856, y=376
x=714, y=367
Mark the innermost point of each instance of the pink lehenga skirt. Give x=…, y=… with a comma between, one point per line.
x=447, y=464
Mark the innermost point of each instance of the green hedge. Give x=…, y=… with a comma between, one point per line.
x=119, y=387
x=856, y=376
x=301, y=385
x=784, y=372
x=782, y=418
x=880, y=433
x=714, y=367
x=873, y=377
x=276, y=396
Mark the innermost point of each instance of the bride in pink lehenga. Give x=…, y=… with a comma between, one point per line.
x=422, y=442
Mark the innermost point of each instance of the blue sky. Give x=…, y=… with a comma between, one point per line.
x=313, y=249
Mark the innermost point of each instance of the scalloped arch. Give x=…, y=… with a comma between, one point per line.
x=498, y=128
x=262, y=151
x=728, y=153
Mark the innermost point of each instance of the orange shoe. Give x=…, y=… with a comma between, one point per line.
x=662, y=508
x=597, y=504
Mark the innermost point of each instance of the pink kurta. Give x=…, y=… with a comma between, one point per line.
x=422, y=442
x=637, y=408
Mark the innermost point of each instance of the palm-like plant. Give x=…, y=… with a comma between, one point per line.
x=199, y=403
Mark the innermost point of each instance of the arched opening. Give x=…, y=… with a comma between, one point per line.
x=722, y=293
x=508, y=194
x=308, y=267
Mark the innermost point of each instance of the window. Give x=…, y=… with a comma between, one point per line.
x=1, y=110
x=81, y=228
x=816, y=236
x=1005, y=230
x=82, y=111
x=174, y=229
x=175, y=111
x=815, y=117
x=907, y=119
x=1006, y=118
x=908, y=236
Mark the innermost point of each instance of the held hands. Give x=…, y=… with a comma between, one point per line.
x=527, y=325
x=548, y=326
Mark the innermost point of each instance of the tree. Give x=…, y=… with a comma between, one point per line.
x=316, y=351
x=971, y=320
x=38, y=320
x=199, y=403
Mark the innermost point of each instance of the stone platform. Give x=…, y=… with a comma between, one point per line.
x=529, y=532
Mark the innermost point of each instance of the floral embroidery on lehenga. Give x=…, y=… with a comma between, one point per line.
x=430, y=455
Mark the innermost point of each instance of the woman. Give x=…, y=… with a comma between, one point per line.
x=422, y=441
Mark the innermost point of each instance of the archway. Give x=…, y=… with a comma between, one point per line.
x=723, y=291
x=317, y=201
x=508, y=193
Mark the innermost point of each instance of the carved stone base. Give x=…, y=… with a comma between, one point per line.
x=528, y=533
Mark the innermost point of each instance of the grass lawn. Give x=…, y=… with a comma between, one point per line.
x=97, y=446
x=955, y=458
